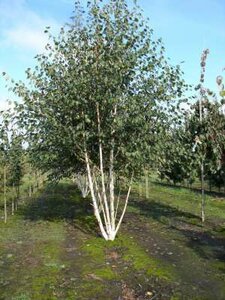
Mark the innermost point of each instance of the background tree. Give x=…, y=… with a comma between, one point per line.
x=178, y=162
x=15, y=166
x=4, y=156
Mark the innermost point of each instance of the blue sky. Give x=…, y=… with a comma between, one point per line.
x=186, y=27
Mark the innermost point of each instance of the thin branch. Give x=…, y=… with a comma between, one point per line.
x=125, y=205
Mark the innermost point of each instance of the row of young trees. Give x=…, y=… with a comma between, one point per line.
x=11, y=156
x=103, y=102
x=196, y=149
x=18, y=177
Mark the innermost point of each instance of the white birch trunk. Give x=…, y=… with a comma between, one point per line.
x=102, y=189
x=105, y=203
x=94, y=200
x=81, y=181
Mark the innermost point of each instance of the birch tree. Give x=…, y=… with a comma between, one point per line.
x=81, y=181
x=15, y=167
x=98, y=97
x=4, y=153
x=178, y=162
x=207, y=126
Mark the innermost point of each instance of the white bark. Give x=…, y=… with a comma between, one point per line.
x=106, y=206
x=104, y=202
x=94, y=200
x=111, y=191
x=81, y=181
x=125, y=207
x=102, y=187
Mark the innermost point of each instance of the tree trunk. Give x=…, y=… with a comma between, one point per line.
x=140, y=189
x=104, y=203
x=17, y=197
x=13, y=200
x=94, y=199
x=30, y=191
x=203, y=193
x=5, y=195
x=146, y=185
x=106, y=207
x=13, y=206
x=111, y=188
x=82, y=183
x=36, y=181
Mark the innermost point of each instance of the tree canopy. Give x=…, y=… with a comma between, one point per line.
x=98, y=99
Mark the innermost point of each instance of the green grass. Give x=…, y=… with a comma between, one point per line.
x=50, y=248
x=185, y=200
x=32, y=253
x=130, y=252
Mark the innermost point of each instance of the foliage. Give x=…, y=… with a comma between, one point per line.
x=208, y=136
x=178, y=161
x=4, y=139
x=98, y=98
x=108, y=59
x=15, y=160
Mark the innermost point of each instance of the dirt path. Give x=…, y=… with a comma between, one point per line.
x=196, y=255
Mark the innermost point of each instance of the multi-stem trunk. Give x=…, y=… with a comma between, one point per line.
x=82, y=183
x=104, y=204
x=102, y=189
x=94, y=198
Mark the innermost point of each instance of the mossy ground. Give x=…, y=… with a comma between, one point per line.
x=51, y=249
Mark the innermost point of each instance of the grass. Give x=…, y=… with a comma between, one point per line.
x=31, y=255
x=185, y=200
x=128, y=250
x=142, y=261
x=51, y=249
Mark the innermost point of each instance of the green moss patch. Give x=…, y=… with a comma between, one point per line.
x=130, y=253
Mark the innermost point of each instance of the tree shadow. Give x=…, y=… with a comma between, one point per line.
x=160, y=212
x=206, y=243
x=196, y=190
x=61, y=202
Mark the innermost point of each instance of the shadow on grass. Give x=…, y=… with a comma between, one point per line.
x=196, y=190
x=61, y=202
x=159, y=211
x=204, y=242
x=206, y=245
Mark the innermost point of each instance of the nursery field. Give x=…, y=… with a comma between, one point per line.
x=107, y=114
x=51, y=248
